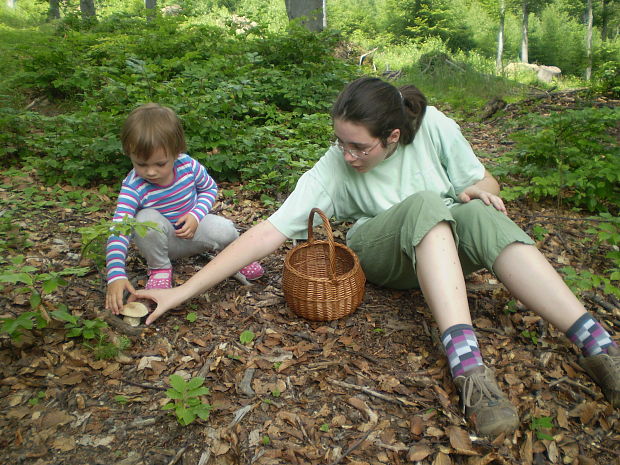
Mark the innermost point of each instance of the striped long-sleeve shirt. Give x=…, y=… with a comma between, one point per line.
x=192, y=191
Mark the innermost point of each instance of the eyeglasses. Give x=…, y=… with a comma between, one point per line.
x=355, y=153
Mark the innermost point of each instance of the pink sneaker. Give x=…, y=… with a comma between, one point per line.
x=252, y=271
x=159, y=279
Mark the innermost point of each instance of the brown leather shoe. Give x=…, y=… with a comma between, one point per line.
x=484, y=403
x=604, y=369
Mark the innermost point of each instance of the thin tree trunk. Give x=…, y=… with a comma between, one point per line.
x=500, y=34
x=524, y=33
x=54, y=11
x=151, y=9
x=87, y=7
x=604, y=20
x=589, y=41
x=312, y=13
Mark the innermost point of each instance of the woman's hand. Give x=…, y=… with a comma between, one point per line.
x=188, y=226
x=114, y=294
x=164, y=298
x=475, y=192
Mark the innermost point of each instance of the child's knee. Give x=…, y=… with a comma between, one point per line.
x=150, y=214
x=218, y=231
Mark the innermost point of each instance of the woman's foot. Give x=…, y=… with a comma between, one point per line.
x=484, y=404
x=252, y=271
x=159, y=279
x=604, y=369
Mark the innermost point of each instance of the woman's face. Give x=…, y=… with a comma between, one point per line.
x=361, y=150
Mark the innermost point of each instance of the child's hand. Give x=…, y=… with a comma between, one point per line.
x=187, y=226
x=114, y=294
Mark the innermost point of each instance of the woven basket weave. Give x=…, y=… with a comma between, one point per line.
x=322, y=280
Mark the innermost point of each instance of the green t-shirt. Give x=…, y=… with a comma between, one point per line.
x=439, y=160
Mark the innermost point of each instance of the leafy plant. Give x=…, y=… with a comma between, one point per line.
x=34, y=400
x=27, y=320
x=530, y=335
x=246, y=337
x=191, y=317
x=26, y=279
x=541, y=424
x=105, y=349
x=553, y=160
x=95, y=237
x=79, y=327
x=539, y=232
x=185, y=399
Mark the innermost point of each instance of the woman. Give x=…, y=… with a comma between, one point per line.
x=426, y=213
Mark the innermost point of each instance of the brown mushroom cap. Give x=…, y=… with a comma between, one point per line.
x=135, y=309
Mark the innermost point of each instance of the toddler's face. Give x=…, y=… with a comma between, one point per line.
x=157, y=169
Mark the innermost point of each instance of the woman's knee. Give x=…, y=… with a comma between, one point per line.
x=424, y=198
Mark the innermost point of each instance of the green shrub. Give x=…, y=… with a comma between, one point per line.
x=571, y=156
x=238, y=98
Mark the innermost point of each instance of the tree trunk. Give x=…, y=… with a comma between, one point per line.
x=54, y=11
x=500, y=34
x=524, y=33
x=604, y=20
x=10, y=3
x=589, y=40
x=311, y=12
x=150, y=4
x=87, y=7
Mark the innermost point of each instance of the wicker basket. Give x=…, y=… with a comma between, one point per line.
x=322, y=280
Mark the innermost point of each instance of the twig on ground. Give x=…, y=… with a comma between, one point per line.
x=178, y=455
x=204, y=458
x=365, y=390
x=599, y=301
x=145, y=386
x=204, y=371
x=567, y=380
x=245, y=386
x=354, y=446
x=140, y=422
x=119, y=324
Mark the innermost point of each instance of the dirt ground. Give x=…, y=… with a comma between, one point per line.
x=371, y=388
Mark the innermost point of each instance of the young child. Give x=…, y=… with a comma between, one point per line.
x=168, y=187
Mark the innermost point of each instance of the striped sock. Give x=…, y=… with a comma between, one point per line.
x=588, y=334
x=462, y=349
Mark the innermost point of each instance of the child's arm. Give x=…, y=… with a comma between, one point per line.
x=256, y=243
x=116, y=252
x=206, y=189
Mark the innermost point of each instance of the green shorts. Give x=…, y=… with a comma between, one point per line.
x=386, y=243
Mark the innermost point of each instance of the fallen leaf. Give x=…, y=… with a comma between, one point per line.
x=460, y=441
x=64, y=443
x=418, y=452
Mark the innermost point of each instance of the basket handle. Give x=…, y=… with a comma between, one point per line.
x=330, y=239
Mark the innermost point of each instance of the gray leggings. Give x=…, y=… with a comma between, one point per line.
x=386, y=243
x=160, y=247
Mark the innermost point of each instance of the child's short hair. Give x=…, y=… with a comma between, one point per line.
x=151, y=127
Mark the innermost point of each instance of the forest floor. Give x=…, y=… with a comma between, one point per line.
x=371, y=388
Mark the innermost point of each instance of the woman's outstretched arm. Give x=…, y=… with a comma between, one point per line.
x=256, y=243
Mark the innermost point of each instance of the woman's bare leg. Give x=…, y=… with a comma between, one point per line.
x=530, y=278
